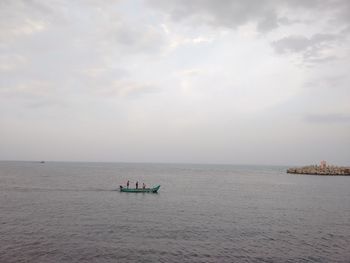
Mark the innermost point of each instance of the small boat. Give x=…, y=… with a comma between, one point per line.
x=139, y=190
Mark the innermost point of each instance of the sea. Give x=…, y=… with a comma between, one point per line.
x=74, y=212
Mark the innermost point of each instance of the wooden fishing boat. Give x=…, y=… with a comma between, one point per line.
x=140, y=190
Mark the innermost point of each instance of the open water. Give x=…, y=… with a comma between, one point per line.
x=71, y=212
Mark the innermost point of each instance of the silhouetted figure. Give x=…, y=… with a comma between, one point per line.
x=143, y=186
x=137, y=185
x=127, y=184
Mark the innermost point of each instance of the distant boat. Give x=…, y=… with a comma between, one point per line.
x=42, y=162
x=140, y=190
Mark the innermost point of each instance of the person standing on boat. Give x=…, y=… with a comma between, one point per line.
x=127, y=184
x=137, y=184
x=143, y=186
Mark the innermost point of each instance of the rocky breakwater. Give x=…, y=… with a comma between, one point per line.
x=319, y=170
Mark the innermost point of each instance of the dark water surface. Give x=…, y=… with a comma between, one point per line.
x=71, y=212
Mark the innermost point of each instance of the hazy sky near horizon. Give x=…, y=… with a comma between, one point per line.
x=201, y=81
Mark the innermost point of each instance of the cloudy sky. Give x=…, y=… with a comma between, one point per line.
x=200, y=81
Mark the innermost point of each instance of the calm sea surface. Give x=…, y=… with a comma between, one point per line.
x=71, y=212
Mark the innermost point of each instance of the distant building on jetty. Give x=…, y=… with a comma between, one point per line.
x=322, y=169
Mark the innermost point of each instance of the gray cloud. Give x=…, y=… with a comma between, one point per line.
x=152, y=78
x=265, y=13
x=291, y=44
x=227, y=13
x=328, y=118
x=62, y=21
x=140, y=39
x=51, y=49
x=310, y=48
x=268, y=15
x=334, y=82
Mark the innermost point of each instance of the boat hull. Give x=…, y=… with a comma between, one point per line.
x=140, y=190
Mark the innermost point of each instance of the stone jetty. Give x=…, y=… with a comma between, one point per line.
x=322, y=169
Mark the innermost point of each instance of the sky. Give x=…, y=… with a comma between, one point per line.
x=176, y=81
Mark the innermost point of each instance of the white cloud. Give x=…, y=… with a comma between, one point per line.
x=126, y=89
x=10, y=62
